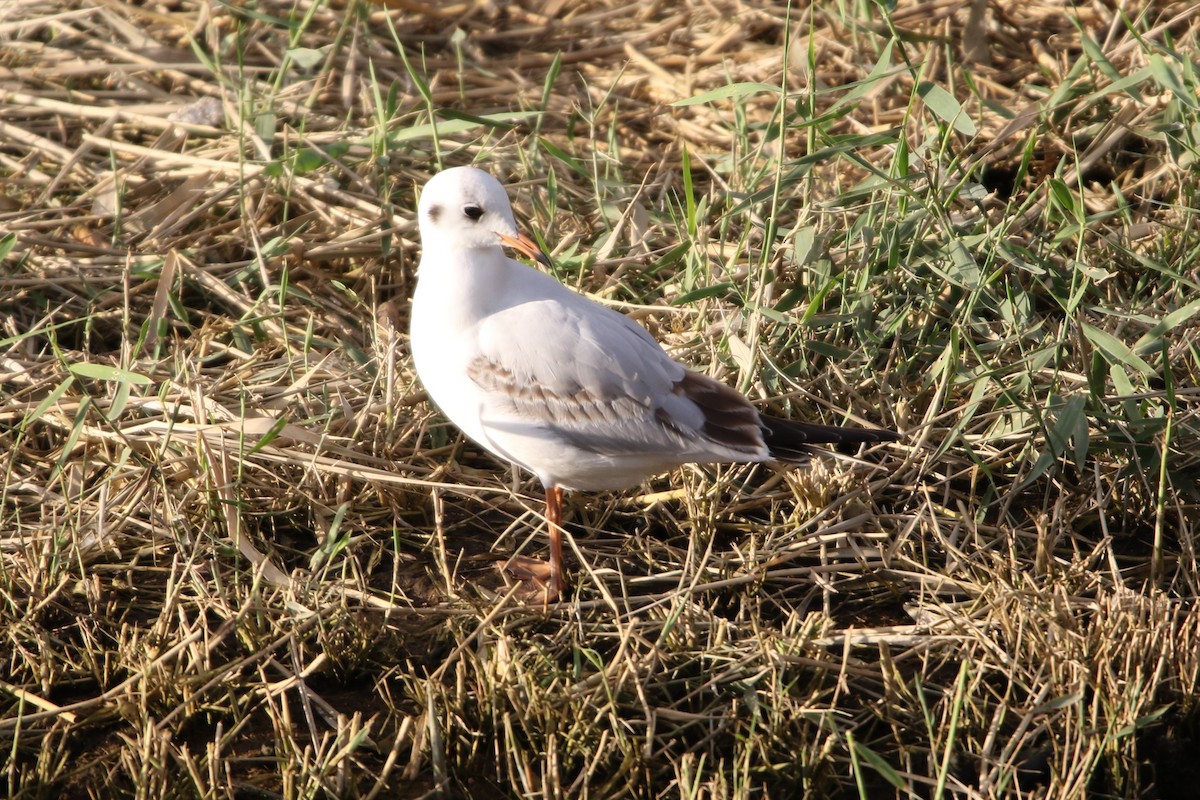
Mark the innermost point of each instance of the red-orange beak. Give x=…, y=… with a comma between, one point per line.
x=522, y=243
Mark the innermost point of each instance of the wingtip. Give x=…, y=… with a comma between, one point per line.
x=787, y=437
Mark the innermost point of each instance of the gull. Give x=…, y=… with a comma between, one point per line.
x=547, y=379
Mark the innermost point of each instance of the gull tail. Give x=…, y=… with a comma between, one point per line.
x=793, y=441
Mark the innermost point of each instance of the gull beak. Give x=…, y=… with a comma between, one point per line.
x=522, y=243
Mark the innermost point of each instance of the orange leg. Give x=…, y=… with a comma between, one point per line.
x=548, y=580
x=554, y=496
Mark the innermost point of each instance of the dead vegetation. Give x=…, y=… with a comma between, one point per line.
x=240, y=555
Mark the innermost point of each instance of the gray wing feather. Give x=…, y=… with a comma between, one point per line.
x=600, y=382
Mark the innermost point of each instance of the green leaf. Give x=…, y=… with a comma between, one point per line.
x=120, y=399
x=1095, y=274
x=307, y=160
x=264, y=126
x=417, y=79
x=564, y=157
x=818, y=297
x=670, y=258
x=713, y=290
x=103, y=372
x=943, y=105
x=689, y=198
x=878, y=72
x=306, y=57
x=1168, y=78
x=6, y=245
x=1066, y=428
x=551, y=77
x=1143, y=721
x=830, y=351
x=1127, y=85
x=487, y=122
x=1115, y=350
x=1150, y=339
x=427, y=131
x=1065, y=701
x=1071, y=428
x=1092, y=48
x=964, y=270
x=802, y=244
x=849, y=144
x=1065, y=198
x=730, y=91
x=775, y=316
x=1045, y=460
x=48, y=402
x=879, y=764
x=393, y=100
x=979, y=393
x=73, y=435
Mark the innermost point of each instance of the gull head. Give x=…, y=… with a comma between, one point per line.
x=465, y=208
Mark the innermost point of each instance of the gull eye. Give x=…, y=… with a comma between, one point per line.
x=474, y=212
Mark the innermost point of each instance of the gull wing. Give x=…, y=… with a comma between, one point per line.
x=601, y=383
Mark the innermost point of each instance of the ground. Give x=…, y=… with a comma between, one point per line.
x=242, y=556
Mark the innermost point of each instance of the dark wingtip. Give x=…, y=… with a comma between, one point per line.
x=791, y=440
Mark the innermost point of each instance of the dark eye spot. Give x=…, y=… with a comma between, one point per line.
x=473, y=211
x=434, y=212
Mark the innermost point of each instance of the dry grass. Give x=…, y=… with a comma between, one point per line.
x=241, y=556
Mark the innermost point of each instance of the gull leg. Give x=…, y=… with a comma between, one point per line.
x=554, y=497
x=548, y=579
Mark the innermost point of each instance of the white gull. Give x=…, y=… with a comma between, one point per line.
x=543, y=377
